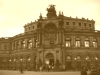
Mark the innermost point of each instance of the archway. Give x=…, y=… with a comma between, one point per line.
x=68, y=63
x=49, y=59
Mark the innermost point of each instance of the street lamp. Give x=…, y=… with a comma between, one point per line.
x=14, y=59
x=47, y=62
x=86, y=58
x=96, y=58
x=28, y=59
x=74, y=58
x=10, y=60
x=20, y=59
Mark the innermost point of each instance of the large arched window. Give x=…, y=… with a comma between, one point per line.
x=30, y=44
x=23, y=44
x=78, y=57
x=68, y=58
x=87, y=42
x=13, y=46
x=68, y=42
x=95, y=43
x=77, y=41
x=18, y=43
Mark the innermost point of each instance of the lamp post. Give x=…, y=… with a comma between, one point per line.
x=29, y=63
x=14, y=64
x=10, y=64
x=75, y=64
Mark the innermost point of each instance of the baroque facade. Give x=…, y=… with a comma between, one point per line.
x=63, y=42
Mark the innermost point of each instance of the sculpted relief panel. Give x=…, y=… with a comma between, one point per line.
x=50, y=37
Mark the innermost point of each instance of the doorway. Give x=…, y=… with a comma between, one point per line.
x=49, y=59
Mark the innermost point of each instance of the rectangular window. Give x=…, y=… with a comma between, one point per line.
x=79, y=24
x=89, y=25
x=67, y=43
x=84, y=24
x=51, y=43
x=95, y=44
x=77, y=43
x=73, y=23
x=29, y=28
x=33, y=27
x=67, y=23
x=86, y=43
x=25, y=29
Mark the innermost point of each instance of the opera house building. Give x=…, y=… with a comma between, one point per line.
x=56, y=40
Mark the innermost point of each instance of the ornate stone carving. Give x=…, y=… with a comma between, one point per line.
x=50, y=36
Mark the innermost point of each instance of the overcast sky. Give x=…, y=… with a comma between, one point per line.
x=14, y=14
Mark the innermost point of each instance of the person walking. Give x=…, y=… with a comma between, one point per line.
x=21, y=70
x=83, y=71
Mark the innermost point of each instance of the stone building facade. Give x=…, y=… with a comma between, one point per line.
x=63, y=42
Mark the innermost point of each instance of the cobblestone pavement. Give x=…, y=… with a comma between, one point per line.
x=9, y=72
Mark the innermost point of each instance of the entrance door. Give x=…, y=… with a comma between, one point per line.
x=68, y=65
x=51, y=62
x=78, y=65
x=49, y=59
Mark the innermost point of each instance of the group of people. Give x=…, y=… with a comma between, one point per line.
x=93, y=71
x=46, y=68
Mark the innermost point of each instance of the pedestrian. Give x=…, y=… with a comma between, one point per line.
x=40, y=68
x=83, y=71
x=93, y=71
x=21, y=70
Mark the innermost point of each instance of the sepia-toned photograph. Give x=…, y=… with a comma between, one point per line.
x=49, y=37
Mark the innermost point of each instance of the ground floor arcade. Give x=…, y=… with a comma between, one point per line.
x=57, y=59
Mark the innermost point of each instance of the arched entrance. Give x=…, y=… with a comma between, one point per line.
x=68, y=63
x=49, y=59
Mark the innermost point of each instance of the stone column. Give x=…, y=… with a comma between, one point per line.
x=98, y=42
x=12, y=45
x=63, y=39
x=26, y=43
x=33, y=44
x=15, y=45
x=71, y=45
x=59, y=37
x=82, y=41
x=42, y=39
x=73, y=41
x=20, y=43
x=57, y=40
x=91, y=41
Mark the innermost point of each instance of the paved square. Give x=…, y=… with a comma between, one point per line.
x=9, y=72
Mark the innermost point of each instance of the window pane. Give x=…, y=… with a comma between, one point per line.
x=30, y=45
x=67, y=23
x=95, y=44
x=23, y=44
x=77, y=43
x=86, y=43
x=67, y=43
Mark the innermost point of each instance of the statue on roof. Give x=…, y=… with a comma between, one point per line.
x=51, y=8
x=51, y=11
